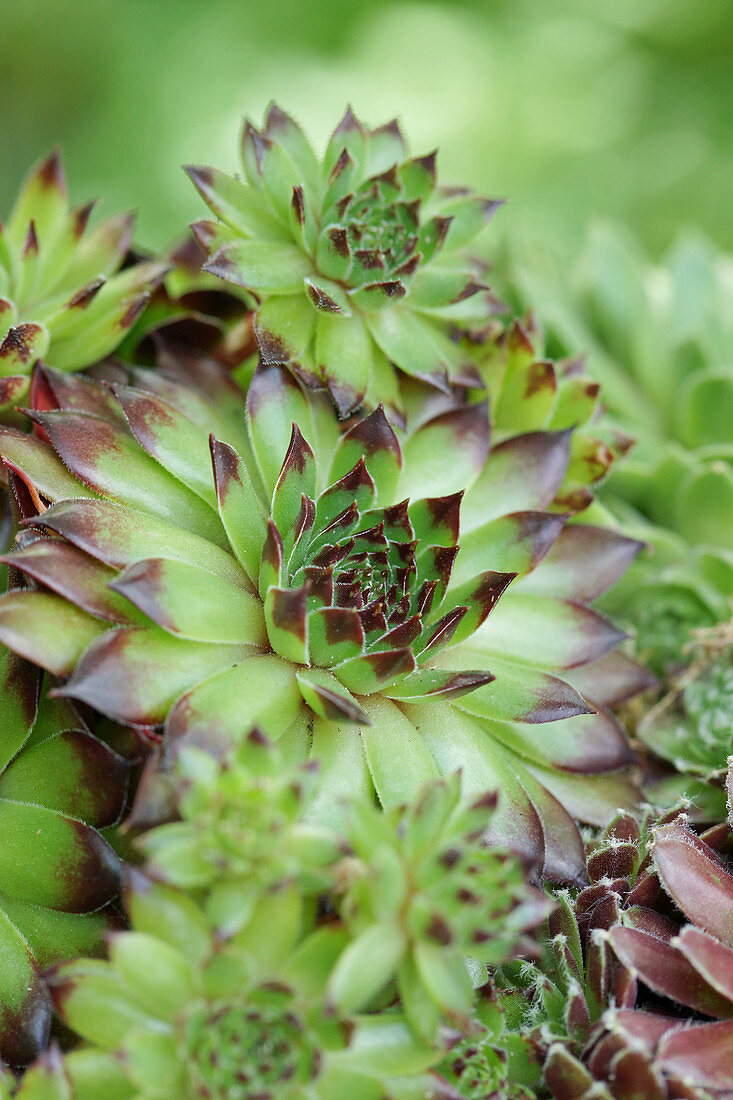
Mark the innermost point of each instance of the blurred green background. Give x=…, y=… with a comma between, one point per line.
x=573, y=109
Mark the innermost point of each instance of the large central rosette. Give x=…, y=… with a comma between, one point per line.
x=363, y=591
x=202, y=565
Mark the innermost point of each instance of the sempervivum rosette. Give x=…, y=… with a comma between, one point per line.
x=58, y=785
x=357, y=259
x=61, y=294
x=210, y=568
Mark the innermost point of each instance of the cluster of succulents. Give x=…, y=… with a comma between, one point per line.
x=660, y=339
x=310, y=750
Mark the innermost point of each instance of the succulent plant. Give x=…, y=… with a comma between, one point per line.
x=660, y=341
x=691, y=727
x=589, y=1011
x=62, y=297
x=291, y=586
x=357, y=260
x=424, y=892
x=240, y=830
x=184, y=1010
x=58, y=785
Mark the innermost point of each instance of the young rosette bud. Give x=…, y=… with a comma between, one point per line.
x=691, y=728
x=209, y=568
x=58, y=785
x=357, y=259
x=61, y=295
x=182, y=1011
x=423, y=892
x=529, y=392
x=242, y=831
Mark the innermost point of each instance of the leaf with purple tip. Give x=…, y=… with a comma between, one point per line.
x=469, y=214
x=40, y=466
x=441, y=683
x=524, y=473
x=25, y=1006
x=327, y=697
x=518, y=694
x=216, y=715
x=111, y=462
x=414, y=344
x=335, y=634
x=21, y=346
x=264, y=267
x=135, y=675
x=287, y=624
x=546, y=632
x=343, y=359
x=297, y=477
x=240, y=509
x=372, y=439
x=170, y=438
x=517, y=542
x=71, y=772
x=274, y=403
x=372, y=672
x=193, y=603
x=240, y=207
x=355, y=487
x=46, y=629
x=19, y=686
x=479, y=595
x=29, y=866
x=461, y=433
x=285, y=326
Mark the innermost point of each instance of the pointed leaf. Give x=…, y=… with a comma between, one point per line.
x=297, y=478
x=696, y=879
x=21, y=346
x=285, y=616
x=109, y=461
x=74, y=575
x=25, y=1006
x=120, y=536
x=373, y=440
x=519, y=694
x=517, y=542
x=334, y=635
x=285, y=326
x=240, y=509
x=464, y=435
x=479, y=596
x=429, y=684
x=39, y=841
x=544, y=631
x=46, y=630
x=170, y=437
x=135, y=675
x=274, y=403
x=217, y=715
x=240, y=207
x=193, y=603
x=326, y=696
x=343, y=359
x=665, y=970
x=522, y=474
x=262, y=266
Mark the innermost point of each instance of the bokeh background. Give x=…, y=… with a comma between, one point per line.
x=572, y=109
